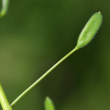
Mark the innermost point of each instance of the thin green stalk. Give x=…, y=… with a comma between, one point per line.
x=85, y=37
x=44, y=75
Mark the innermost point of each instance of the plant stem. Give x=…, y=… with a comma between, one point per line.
x=44, y=75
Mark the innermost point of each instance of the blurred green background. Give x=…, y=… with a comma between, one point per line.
x=35, y=34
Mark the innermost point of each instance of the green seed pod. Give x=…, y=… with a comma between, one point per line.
x=4, y=7
x=3, y=100
x=89, y=30
x=49, y=104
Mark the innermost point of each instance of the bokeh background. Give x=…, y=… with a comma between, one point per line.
x=35, y=34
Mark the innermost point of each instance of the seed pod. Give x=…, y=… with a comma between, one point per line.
x=4, y=7
x=89, y=30
x=3, y=100
x=49, y=104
